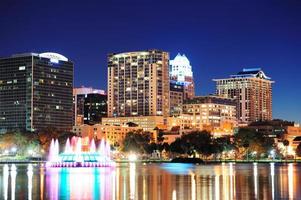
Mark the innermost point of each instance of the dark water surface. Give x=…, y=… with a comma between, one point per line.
x=153, y=181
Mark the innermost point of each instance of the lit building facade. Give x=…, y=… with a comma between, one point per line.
x=89, y=105
x=138, y=84
x=147, y=123
x=114, y=134
x=211, y=113
x=181, y=71
x=36, y=92
x=252, y=90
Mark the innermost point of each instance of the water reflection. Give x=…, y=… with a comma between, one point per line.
x=5, y=181
x=152, y=181
x=13, y=174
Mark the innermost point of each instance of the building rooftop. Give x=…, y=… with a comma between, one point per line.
x=251, y=72
x=211, y=99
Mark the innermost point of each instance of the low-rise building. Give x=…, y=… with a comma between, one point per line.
x=114, y=134
x=212, y=113
x=147, y=123
x=293, y=136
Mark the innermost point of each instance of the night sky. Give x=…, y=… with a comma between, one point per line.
x=219, y=38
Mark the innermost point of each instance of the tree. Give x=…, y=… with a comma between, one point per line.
x=286, y=144
x=248, y=140
x=298, y=150
x=137, y=141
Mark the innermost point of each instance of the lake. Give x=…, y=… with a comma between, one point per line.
x=152, y=181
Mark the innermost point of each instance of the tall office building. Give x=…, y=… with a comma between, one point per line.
x=36, y=92
x=89, y=105
x=252, y=90
x=181, y=71
x=138, y=84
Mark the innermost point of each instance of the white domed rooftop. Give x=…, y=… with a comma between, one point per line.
x=180, y=68
x=180, y=60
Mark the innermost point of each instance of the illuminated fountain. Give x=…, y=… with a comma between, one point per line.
x=80, y=153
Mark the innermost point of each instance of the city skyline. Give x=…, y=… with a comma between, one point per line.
x=219, y=40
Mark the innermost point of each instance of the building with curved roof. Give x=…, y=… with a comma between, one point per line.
x=181, y=71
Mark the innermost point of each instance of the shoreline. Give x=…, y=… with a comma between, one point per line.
x=167, y=161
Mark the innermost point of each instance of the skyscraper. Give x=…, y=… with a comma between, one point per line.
x=181, y=71
x=36, y=92
x=138, y=84
x=252, y=90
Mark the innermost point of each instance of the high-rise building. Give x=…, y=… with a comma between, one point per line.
x=138, y=84
x=181, y=71
x=89, y=105
x=35, y=92
x=252, y=90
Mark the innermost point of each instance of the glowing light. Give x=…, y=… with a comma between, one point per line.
x=174, y=195
x=180, y=68
x=290, y=181
x=13, y=149
x=132, y=180
x=193, y=187
x=13, y=175
x=29, y=175
x=74, y=156
x=255, y=179
x=54, y=57
x=273, y=179
x=5, y=181
x=132, y=157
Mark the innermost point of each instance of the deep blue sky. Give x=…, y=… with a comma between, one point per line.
x=219, y=37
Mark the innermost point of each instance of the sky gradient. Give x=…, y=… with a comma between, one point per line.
x=219, y=38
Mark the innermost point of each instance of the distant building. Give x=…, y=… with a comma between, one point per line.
x=271, y=128
x=90, y=105
x=211, y=113
x=252, y=90
x=181, y=71
x=114, y=134
x=138, y=84
x=176, y=97
x=147, y=123
x=36, y=92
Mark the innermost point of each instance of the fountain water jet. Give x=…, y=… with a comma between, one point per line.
x=75, y=156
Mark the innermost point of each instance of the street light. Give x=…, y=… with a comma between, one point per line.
x=132, y=157
x=272, y=152
x=13, y=149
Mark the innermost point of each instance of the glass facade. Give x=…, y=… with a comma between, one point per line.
x=35, y=93
x=95, y=107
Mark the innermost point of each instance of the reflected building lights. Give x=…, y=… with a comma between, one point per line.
x=174, y=195
x=13, y=175
x=232, y=184
x=42, y=183
x=132, y=180
x=193, y=186
x=273, y=179
x=5, y=181
x=225, y=182
x=29, y=176
x=217, y=187
x=255, y=173
x=290, y=181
